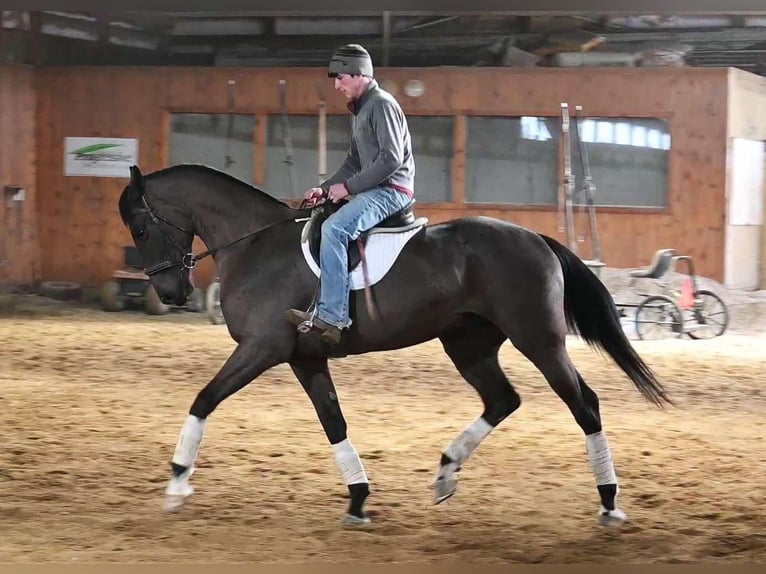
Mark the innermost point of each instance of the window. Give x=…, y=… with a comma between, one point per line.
x=534, y=129
x=216, y=140
x=432, y=148
x=304, y=136
x=512, y=160
x=622, y=133
x=628, y=160
x=633, y=132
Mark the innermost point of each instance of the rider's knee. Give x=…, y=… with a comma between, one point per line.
x=332, y=229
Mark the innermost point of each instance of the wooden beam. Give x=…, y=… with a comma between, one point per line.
x=259, y=150
x=458, y=160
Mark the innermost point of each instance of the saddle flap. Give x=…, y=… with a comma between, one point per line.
x=402, y=220
x=382, y=249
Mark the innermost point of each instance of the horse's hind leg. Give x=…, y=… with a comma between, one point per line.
x=549, y=354
x=473, y=348
x=314, y=376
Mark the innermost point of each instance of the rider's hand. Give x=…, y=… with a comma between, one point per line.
x=313, y=196
x=337, y=192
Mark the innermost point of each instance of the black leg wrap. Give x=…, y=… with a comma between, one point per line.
x=359, y=493
x=447, y=460
x=178, y=470
x=608, y=493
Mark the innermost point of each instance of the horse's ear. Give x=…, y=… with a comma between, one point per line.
x=136, y=178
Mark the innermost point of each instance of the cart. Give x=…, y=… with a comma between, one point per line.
x=130, y=287
x=213, y=303
x=671, y=310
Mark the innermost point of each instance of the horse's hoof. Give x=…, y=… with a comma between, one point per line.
x=614, y=517
x=351, y=520
x=444, y=488
x=173, y=502
x=176, y=493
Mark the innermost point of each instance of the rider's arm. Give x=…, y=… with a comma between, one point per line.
x=347, y=169
x=388, y=125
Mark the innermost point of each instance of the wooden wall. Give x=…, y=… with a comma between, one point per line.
x=81, y=235
x=19, y=243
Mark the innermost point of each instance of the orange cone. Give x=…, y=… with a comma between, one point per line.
x=687, y=295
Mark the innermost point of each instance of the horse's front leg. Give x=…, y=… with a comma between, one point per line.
x=314, y=375
x=249, y=359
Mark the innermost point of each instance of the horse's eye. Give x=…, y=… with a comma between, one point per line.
x=140, y=233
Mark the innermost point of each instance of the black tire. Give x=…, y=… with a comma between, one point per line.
x=196, y=301
x=110, y=297
x=705, y=300
x=667, y=318
x=213, y=303
x=153, y=304
x=61, y=290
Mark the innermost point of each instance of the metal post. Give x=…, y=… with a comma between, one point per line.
x=589, y=187
x=568, y=182
x=386, y=36
x=322, y=136
x=286, y=137
x=228, y=161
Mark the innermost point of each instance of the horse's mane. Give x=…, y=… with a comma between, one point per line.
x=130, y=195
x=206, y=169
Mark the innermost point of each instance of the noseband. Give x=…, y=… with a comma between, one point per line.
x=187, y=260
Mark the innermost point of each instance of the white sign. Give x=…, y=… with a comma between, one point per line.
x=100, y=157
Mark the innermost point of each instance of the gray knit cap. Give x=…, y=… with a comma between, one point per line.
x=351, y=59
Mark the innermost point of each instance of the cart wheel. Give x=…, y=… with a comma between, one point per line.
x=153, y=304
x=709, y=318
x=658, y=317
x=110, y=297
x=213, y=303
x=196, y=302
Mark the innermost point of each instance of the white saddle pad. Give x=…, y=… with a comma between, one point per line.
x=381, y=250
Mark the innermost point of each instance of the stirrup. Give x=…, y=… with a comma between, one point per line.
x=306, y=326
x=312, y=310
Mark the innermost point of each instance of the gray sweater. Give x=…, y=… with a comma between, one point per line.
x=380, y=153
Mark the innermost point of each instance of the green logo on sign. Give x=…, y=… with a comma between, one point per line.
x=97, y=152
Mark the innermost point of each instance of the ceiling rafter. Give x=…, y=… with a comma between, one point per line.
x=410, y=38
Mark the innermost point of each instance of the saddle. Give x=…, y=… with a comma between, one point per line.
x=404, y=218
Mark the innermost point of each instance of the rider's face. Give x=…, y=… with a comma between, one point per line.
x=351, y=86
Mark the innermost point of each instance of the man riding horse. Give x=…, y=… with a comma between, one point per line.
x=479, y=281
x=376, y=180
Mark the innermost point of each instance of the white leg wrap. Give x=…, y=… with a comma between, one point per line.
x=349, y=463
x=189, y=441
x=466, y=442
x=600, y=458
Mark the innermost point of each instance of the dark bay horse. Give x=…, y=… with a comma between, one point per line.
x=473, y=282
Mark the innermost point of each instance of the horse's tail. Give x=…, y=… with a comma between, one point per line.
x=591, y=313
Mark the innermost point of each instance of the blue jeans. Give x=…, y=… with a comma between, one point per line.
x=362, y=212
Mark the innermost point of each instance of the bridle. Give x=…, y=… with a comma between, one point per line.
x=188, y=259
